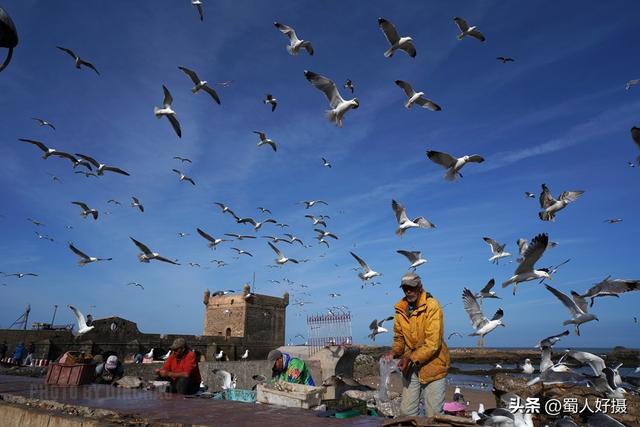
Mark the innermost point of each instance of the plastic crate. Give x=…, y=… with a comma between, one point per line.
x=240, y=395
x=70, y=375
x=290, y=395
x=346, y=403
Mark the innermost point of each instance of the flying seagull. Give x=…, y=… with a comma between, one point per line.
x=225, y=208
x=368, y=272
x=114, y=201
x=486, y=292
x=271, y=100
x=136, y=204
x=86, y=210
x=316, y=221
x=466, y=30
x=19, y=275
x=84, y=258
x=339, y=106
x=294, y=42
x=505, y=59
x=256, y=224
x=611, y=288
x=44, y=122
x=416, y=97
x=523, y=245
x=552, y=340
x=497, y=250
x=526, y=270
x=213, y=242
x=264, y=140
x=199, y=84
x=198, y=5
x=577, y=307
x=184, y=177
x=635, y=136
x=101, y=168
x=480, y=323
x=394, y=39
x=405, y=223
x=239, y=236
x=613, y=220
x=147, y=255
x=325, y=162
x=77, y=59
x=376, y=327
x=45, y=237
x=81, y=321
x=631, y=83
x=242, y=252
x=183, y=159
x=311, y=203
x=293, y=239
x=168, y=112
x=139, y=285
x=452, y=164
x=49, y=151
x=529, y=195
x=35, y=222
x=551, y=206
x=349, y=85
x=281, y=258
x=414, y=258
x=264, y=210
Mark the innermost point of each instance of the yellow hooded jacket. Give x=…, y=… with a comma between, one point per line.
x=420, y=336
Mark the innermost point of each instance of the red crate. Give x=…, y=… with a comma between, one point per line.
x=76, y=374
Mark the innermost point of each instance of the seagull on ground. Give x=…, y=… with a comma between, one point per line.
x=81, y=321
x=199, y=85
x=311, y=203
x=526, y=270
x=84, y=258
x=414, y=258
x=147, y=255
x=136, y=204
x=376, y=327
x=552, y=340
x=183, y=159
x=44, y=122
x=394, y=39
x=239, y=236
x=101, y=168
x=228, y=380
x=86, y=210
x=416, y=97
x=631, y=83
x=269, y=99
x=77, y=59
x=168, y=112
x=219, y=355
x=368, y=272
x=213, y=242
x=198, y=5
x=480, y=323
x=404, y=223
x=497, y=250
x=339, y=106
x=245, y=355
x=294, y=42
x=264, y=140
x=184, y=177
x=611, y=288
x=466, y=30
x=281, y=258
x=452, y=164
x=505, y=59
x=486, y=292
x=242, y=252
x=139, y=285
x=551, y=206
x=49, y=151
x=577, y=307
x=527, y=367
x=349, y=85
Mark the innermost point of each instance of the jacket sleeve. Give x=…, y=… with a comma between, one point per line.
x=433, y=333
x=398, y=346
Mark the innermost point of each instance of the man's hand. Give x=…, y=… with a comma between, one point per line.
x=162, y=372
x=403, y=365
x=388, y=357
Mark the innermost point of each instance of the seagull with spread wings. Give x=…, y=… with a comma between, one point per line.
x=81, y=321
x=136, y=204
x=256, y=224
x=394, y=39
x=139, y=285
x=339, y=106
x=78, y=60
x=349, y=85
x=86, y=210
x=183, y=159
x=404, y=223
x=480, y=323
x=526, y=270
x=270, y=100
x=486, y=292
x=49, y=151
x=242, y=252
x=184, y=177
x=84, y=258
x=376, y=327
x=265, y=141
x=44, y=122
x=213, y=242
x=147, y=255
x=281, y=258
x=452, y=164
x=239, y=236
x=368, y=272
x=505, y=59
x=611, y=288
x=295, y=44
x=18, y=275
x=168, y=112
x=577, y=307
x=101, y=168
x=200, y=84
x=414, y=257
x=497, y=250
x=466, y=30
x=416, y=97
x=198, y=5
x=550, y=206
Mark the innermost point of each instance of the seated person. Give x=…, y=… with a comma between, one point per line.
x=181, y=369
x=109, y=371
x=289, y=369
x=138, y=358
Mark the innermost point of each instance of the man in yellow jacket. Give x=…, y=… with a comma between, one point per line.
x=418, y=340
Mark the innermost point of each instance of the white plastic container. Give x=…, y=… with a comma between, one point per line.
x=290, y=395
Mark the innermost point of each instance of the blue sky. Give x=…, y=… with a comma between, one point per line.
x=557, y=115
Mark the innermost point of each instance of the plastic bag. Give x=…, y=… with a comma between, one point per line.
x=386, y=369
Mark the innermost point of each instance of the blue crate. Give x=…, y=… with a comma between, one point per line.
x=239, y=395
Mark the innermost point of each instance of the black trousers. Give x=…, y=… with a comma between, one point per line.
x=184, y=386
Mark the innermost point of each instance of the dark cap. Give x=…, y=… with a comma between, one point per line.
x=411, y=280
x=178, y=343
x=274, y=355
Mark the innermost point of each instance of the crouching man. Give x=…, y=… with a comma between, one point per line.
x=181, y=369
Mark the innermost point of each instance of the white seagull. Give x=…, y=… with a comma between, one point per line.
x=198, y=5
x=523, y=245
x=213, y=242
x=294, y=42
x=551, y=206
x=77, y=60
x=86, y=210
x=256, y=224
x=136, y=204
x=219, y=355
x=527, y=367
x=281, y=258
x=84, y=258
x=339, y=106
x=466, y=30
x=452, y=164
x=349, y=85
x=168, y=112
x=147, y=255
x=526, y=270
x=552, y=340
x=311, y=203
x=325, y=162
x=228, y=380
x=611, y=288
x=184, y=177
x=316, y=221
x=394, y=39
x=101, y=168
x=416, y=97
x=631, y=83
x=49, y=151
x=405, y=223
x=199, y=84
x=272, y=101
x=239, y=236
x=245, y=355
x=486, y=292
x=576, y=305
x=481, y=324
x=264, y=140
x=414, y=258
x=368, y=272
x=242, y=252
x=82, y=322
x=376, y=327
x=44, y=122
x=497, y=250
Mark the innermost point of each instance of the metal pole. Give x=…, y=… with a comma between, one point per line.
x=55, y=309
